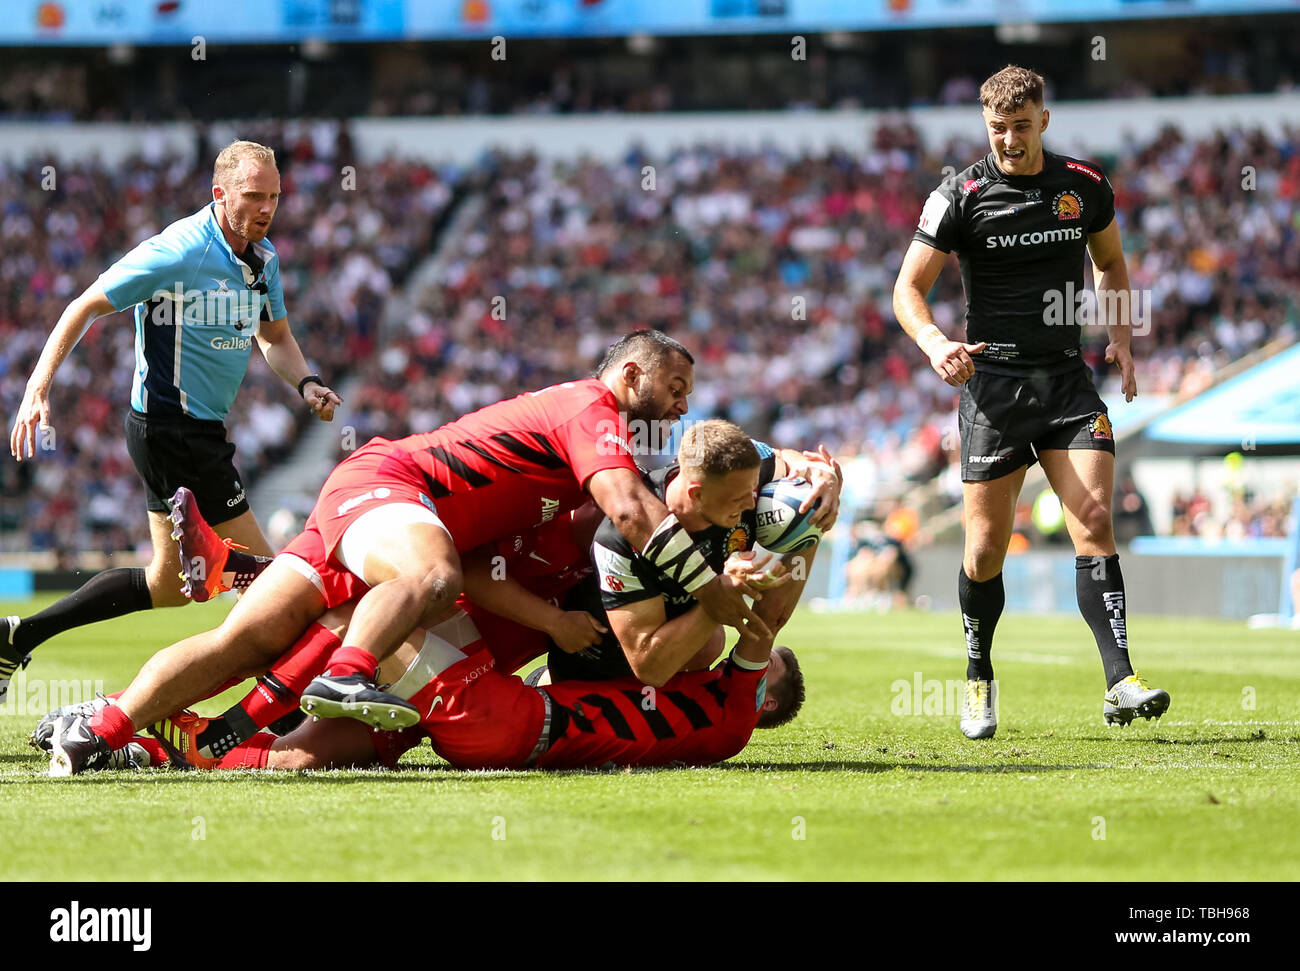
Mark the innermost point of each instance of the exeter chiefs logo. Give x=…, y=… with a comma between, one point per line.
x=738, y=540
x=1067, y=205
x=1101, y=429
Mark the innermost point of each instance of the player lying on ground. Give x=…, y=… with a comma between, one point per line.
x=515, y=586
x=397, y=515
x=174, y=429
x=515, y=577
x=1022, y=221
x=479, y=717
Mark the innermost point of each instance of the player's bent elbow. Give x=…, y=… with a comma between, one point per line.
x=630, y=520
x=649, y=672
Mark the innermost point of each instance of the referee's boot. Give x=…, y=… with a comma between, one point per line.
x=979, y=709
x=1133, y=698
x=355, y=696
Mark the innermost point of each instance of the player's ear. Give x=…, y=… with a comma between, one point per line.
x=770, y=703
x=1047, y=115
x=631, y=371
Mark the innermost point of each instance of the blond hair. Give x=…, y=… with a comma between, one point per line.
x=1011, y=89
x=715, y=447
x=226, y=170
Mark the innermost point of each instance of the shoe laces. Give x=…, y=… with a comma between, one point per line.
x=976, y=696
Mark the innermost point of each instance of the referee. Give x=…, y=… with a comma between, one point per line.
x=203, y=289
x=1020, y=220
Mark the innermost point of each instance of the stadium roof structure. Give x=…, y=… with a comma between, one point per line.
x=1258, y=408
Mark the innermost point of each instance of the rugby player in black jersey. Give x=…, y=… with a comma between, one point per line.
x=1020, y=220
x=655, y=627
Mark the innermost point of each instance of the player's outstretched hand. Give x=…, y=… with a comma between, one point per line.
x=1120, y=354
x=323, y=401
x=749, y=566
x=827, y=479
x=33, y=413
x=951, y=360
x=723, y=598
x=576, y=630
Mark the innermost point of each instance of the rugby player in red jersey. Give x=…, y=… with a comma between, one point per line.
x=399, y=524
x=476, y=716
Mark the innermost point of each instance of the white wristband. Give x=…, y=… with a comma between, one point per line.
x=675, y=555
x=926, y=337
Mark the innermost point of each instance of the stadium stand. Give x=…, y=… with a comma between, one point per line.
x=341, y=251
x=893, y=69
x=776, y=267
x=579, y=250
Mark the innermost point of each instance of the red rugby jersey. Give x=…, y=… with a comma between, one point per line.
x=522, y=462
x=699, y=718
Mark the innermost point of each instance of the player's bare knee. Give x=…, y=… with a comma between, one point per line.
x=438, y=591
x=1095, y=524
x=983, y=562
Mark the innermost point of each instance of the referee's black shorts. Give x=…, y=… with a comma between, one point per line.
x=170, y=451
x=1006, y=420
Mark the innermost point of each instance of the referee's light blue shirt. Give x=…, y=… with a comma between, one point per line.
x=197, y=308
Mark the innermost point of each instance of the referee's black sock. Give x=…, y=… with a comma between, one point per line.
x=981, y=606
x=1099, y=586
x=109, y=594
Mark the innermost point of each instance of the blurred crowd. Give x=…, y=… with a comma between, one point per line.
x=776, y=269
x=1241, y=515
x=341, y=252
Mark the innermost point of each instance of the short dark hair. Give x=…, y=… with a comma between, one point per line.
x=649, y=348
x=788, y=692
x=716, y=447
x=1011, y=89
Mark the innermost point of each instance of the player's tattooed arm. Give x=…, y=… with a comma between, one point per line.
x=1110, y=276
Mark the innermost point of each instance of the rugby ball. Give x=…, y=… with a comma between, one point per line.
x=781, y=529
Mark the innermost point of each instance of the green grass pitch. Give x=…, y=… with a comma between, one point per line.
x=873, y=780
